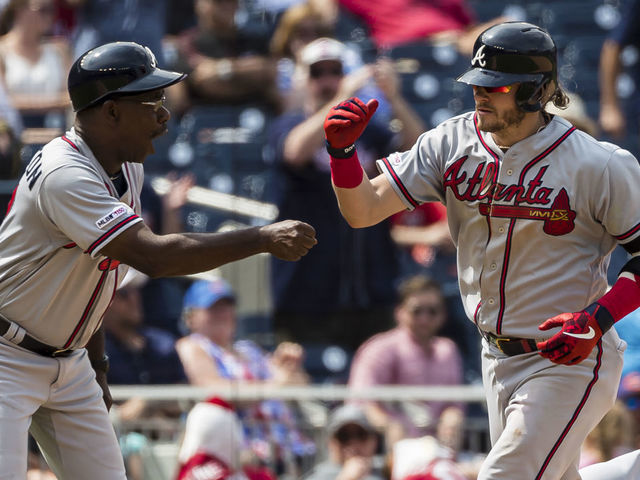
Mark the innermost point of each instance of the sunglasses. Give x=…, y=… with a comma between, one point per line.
x=156, y=104
x=500, y=89
x=316, y=71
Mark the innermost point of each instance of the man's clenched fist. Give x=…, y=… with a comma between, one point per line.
x=346, y=121
x=580, y=332
x=289, y=239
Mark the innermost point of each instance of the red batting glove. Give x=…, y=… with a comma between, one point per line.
x=345, y=123
x=580, y=333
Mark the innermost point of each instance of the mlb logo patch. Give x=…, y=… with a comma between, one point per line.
x=110, y=217
x=395, y=160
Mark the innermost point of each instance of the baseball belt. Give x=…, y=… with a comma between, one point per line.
x=17, y=335
x=511, y=346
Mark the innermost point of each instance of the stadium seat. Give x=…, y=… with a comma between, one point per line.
x=327, y=363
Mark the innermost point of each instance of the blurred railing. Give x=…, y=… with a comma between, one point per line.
x=162, y=436
x=243, y=391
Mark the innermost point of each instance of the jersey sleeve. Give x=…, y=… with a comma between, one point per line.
x=76, y=201
x=416, y=174
x=619, y=197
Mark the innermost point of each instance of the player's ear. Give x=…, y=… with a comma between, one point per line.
x=109, y=109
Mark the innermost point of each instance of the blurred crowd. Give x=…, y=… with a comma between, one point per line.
x=366, y=307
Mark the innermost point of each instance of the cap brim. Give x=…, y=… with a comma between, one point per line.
x=490, y=78
x=157, y=79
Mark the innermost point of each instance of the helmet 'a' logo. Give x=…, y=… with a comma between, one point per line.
x=479, y=57
x=154, y=62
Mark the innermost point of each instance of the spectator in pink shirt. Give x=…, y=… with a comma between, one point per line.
x=412, y=354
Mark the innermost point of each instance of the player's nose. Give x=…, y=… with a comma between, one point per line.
x=164, y=114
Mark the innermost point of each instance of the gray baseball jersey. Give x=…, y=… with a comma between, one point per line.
x=534, y=226
x=63, y=212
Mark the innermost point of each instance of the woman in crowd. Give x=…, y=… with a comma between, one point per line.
x=33, y=67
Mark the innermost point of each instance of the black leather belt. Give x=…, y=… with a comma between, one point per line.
x=32, y=344
x=511, y=345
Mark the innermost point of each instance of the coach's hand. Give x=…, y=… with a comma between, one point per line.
x=346, y=121
x=571, y=345
x=289, y=239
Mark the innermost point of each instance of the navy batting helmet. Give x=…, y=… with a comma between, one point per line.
x=113, y=69
x=514, y=52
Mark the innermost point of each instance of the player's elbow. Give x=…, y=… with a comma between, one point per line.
x=356, y=221
x=151, y=268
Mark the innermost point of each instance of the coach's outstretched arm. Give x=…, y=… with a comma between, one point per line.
x=363, y=202
x=187, y=253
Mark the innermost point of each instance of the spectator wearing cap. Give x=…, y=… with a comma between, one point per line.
x=343, y=291
x=413, y=354
x=298, y=26
x=352, y=443
x=212, y=357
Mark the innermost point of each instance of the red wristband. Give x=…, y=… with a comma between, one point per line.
x=346, y=172
x=622, y=299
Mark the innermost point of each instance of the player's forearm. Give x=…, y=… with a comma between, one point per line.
x=624, y=296
x=357, y=204
x=368, y=202
x=608, y=73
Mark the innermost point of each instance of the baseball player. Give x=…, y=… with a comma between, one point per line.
x=535, y=207
x=72, y=228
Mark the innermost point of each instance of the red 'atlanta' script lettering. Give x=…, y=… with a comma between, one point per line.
x=482, y=185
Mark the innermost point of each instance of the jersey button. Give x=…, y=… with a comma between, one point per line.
x=491, y=301
x=509, y=172
x=501, y=229
x=494, y=266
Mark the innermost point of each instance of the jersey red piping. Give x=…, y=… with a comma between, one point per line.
x=116, y=227
x=109, y=190
x=496, y=160
x=87, y=309
x=495, y=156
x=10, y=204
x=69, y=142
x=475, y=314
x=577, y=411
x=399, y=183
x=629, y=233
x=507, y=253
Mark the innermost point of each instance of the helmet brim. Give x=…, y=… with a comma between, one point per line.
x=482, y=77
x=157, y=79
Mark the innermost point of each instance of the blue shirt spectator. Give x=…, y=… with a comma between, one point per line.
x=343, y=290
